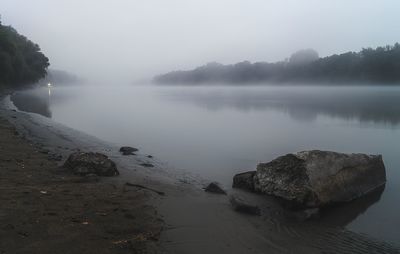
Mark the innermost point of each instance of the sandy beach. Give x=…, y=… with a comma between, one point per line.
x=47, y=210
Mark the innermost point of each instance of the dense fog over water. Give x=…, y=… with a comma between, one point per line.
x=216, y=132
x=108, y=40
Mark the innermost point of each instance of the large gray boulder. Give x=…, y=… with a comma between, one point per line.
x=91, y=163
x=318, y=178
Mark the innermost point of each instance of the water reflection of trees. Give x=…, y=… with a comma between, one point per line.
x=364, y=104
x=34, y=101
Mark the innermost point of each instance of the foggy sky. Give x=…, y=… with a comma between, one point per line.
x=127, y=40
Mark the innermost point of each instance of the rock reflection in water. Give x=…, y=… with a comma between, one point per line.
x=342, y=215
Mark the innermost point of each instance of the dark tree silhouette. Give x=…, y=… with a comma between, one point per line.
x=21, y=61
x=380, y=65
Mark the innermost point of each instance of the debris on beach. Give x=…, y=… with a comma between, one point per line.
x=147, y=165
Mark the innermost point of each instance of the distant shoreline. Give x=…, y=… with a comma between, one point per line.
x=379, y=66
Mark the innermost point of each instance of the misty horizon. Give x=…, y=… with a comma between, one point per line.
x=125, y=41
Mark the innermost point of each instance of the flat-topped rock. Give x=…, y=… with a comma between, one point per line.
x=81, y=163
x=318, y=178
x=244, y=180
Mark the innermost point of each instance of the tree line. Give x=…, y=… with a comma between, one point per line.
x=379, y=65
x=21, y=61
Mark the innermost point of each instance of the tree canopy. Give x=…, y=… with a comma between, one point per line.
x=380, y=65
x=21, y=61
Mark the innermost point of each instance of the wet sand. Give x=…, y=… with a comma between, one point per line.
x=46, y=210
x=193, y=221
x=197, y=222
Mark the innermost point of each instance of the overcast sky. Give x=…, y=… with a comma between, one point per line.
x=135, y=39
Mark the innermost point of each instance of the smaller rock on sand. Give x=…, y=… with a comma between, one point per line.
x=91, y=163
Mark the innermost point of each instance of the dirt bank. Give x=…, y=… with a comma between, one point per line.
x=45, y=210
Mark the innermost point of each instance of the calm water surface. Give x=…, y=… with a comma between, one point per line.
x=216, y=132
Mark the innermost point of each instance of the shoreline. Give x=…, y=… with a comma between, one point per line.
x=194, y=221
x=47, y=210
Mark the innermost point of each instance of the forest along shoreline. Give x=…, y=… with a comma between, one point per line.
x=48, y=210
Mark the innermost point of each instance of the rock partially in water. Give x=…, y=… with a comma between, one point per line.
x=318, y=178
x=239, y=204
x=81, y=163
x=127, y=150
x=244, y=180
x=214, y=188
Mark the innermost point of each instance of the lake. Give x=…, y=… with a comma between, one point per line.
x=217, y=131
